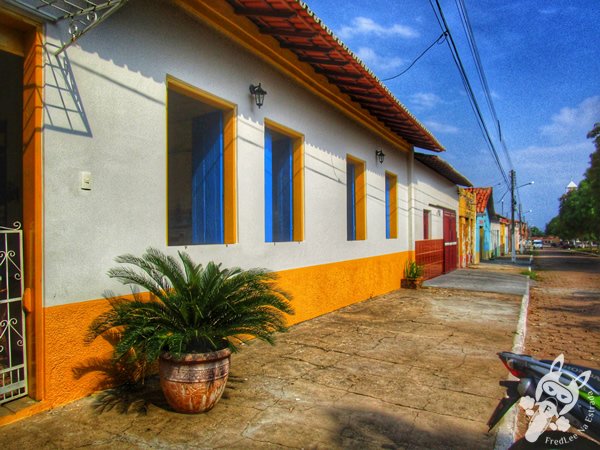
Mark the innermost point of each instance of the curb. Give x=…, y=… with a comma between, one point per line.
x=507, y=430
x=584, y=253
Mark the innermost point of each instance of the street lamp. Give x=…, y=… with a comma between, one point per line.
x=518, y=187
x=513, y=254
x=526, y=184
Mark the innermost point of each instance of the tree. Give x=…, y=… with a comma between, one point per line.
x=535, y=231
x=579, y=213
x=553, y=227
x=592, y=175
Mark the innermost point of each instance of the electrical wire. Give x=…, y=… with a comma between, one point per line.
x=468, y=88
x=441, y=38
x=462, y=9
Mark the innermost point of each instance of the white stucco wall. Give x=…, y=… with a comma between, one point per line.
x=115, y=80
x=432, y=191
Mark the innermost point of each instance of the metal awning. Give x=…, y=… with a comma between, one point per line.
x=83, y=15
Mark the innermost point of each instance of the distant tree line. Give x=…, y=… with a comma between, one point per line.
x=579, y=212
x=535, y=231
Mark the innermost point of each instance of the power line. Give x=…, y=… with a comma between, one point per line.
x=441, y=38
x=468, y=88
x=462, y=9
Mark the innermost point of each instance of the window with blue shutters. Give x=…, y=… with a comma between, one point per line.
x=279, y=211
x=391, y=206
x=207, y=178
x=356, y=201
x=350, y=200
x=201, y=187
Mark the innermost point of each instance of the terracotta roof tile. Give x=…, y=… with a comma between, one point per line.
x=298, y=29
x=484, y=199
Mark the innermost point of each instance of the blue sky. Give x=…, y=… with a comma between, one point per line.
x=542, y=64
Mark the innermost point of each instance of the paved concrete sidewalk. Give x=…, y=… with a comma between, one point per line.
x=498, y=276
x=410, y=369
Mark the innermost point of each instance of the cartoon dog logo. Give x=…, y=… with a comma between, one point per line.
x=553, y=399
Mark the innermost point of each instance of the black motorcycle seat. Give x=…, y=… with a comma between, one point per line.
x=594, y=380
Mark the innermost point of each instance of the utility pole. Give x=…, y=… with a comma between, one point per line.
x=512, y=216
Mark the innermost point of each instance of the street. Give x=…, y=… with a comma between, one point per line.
x=564, y=307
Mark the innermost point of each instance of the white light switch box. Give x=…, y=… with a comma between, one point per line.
x=85, y=181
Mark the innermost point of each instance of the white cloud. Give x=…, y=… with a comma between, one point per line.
x=366, y=26
x=537, y=157
x=573, y=123
x=378, y=62
x=438, y=127
x=425, y=100
x=552, y=168
x=553, y=165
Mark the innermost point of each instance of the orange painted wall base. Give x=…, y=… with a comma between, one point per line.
x=75, y=369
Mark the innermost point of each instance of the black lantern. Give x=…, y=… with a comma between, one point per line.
x=380, y=155
x=259, y=94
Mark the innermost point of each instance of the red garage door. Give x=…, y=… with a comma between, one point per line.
x=450, y=242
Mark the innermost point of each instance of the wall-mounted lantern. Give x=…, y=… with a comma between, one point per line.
x=380, y=155
x=259, y=94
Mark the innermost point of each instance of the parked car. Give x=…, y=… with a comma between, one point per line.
x=538, y=243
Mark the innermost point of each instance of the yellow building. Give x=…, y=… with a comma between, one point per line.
x=467, y=219
x=504, y=233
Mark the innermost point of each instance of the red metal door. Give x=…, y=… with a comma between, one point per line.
x=450, y=242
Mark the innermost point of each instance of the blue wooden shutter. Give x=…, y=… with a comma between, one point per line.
x=282, y=192
x=207, y=179
x=350, y=201
x=268, y=186
x=388, y=223
x=278, y=189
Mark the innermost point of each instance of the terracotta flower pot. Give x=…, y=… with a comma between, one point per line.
x=411, y=283
x=194, y=382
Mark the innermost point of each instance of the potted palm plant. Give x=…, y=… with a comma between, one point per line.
x=191, y=321
x=413, y=275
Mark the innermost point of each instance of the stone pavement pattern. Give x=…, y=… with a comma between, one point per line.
x=564, y=316
x=564, y=308
x=410, y=369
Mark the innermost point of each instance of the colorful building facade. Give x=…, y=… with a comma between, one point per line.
x=437, y=246
x=485, y=211
x=144, y=132
x=467, y=221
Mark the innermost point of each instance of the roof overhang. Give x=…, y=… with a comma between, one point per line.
x=290, y=37
x=444, y=168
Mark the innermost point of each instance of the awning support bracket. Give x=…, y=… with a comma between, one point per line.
x=83, y=15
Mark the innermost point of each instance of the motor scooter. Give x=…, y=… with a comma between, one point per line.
x=555, y=396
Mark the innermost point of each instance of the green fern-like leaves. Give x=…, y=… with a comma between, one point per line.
x=191, y=308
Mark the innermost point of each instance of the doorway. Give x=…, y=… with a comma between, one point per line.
x=13, y=360
x=450, y=241
x=481, y=243
x=21, y=232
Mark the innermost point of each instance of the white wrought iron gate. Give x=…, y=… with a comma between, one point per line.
x=13, y=361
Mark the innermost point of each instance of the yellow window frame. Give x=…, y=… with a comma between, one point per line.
x=360, y=196
x=297, y=176
x=229, y=152
x=393, y=196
